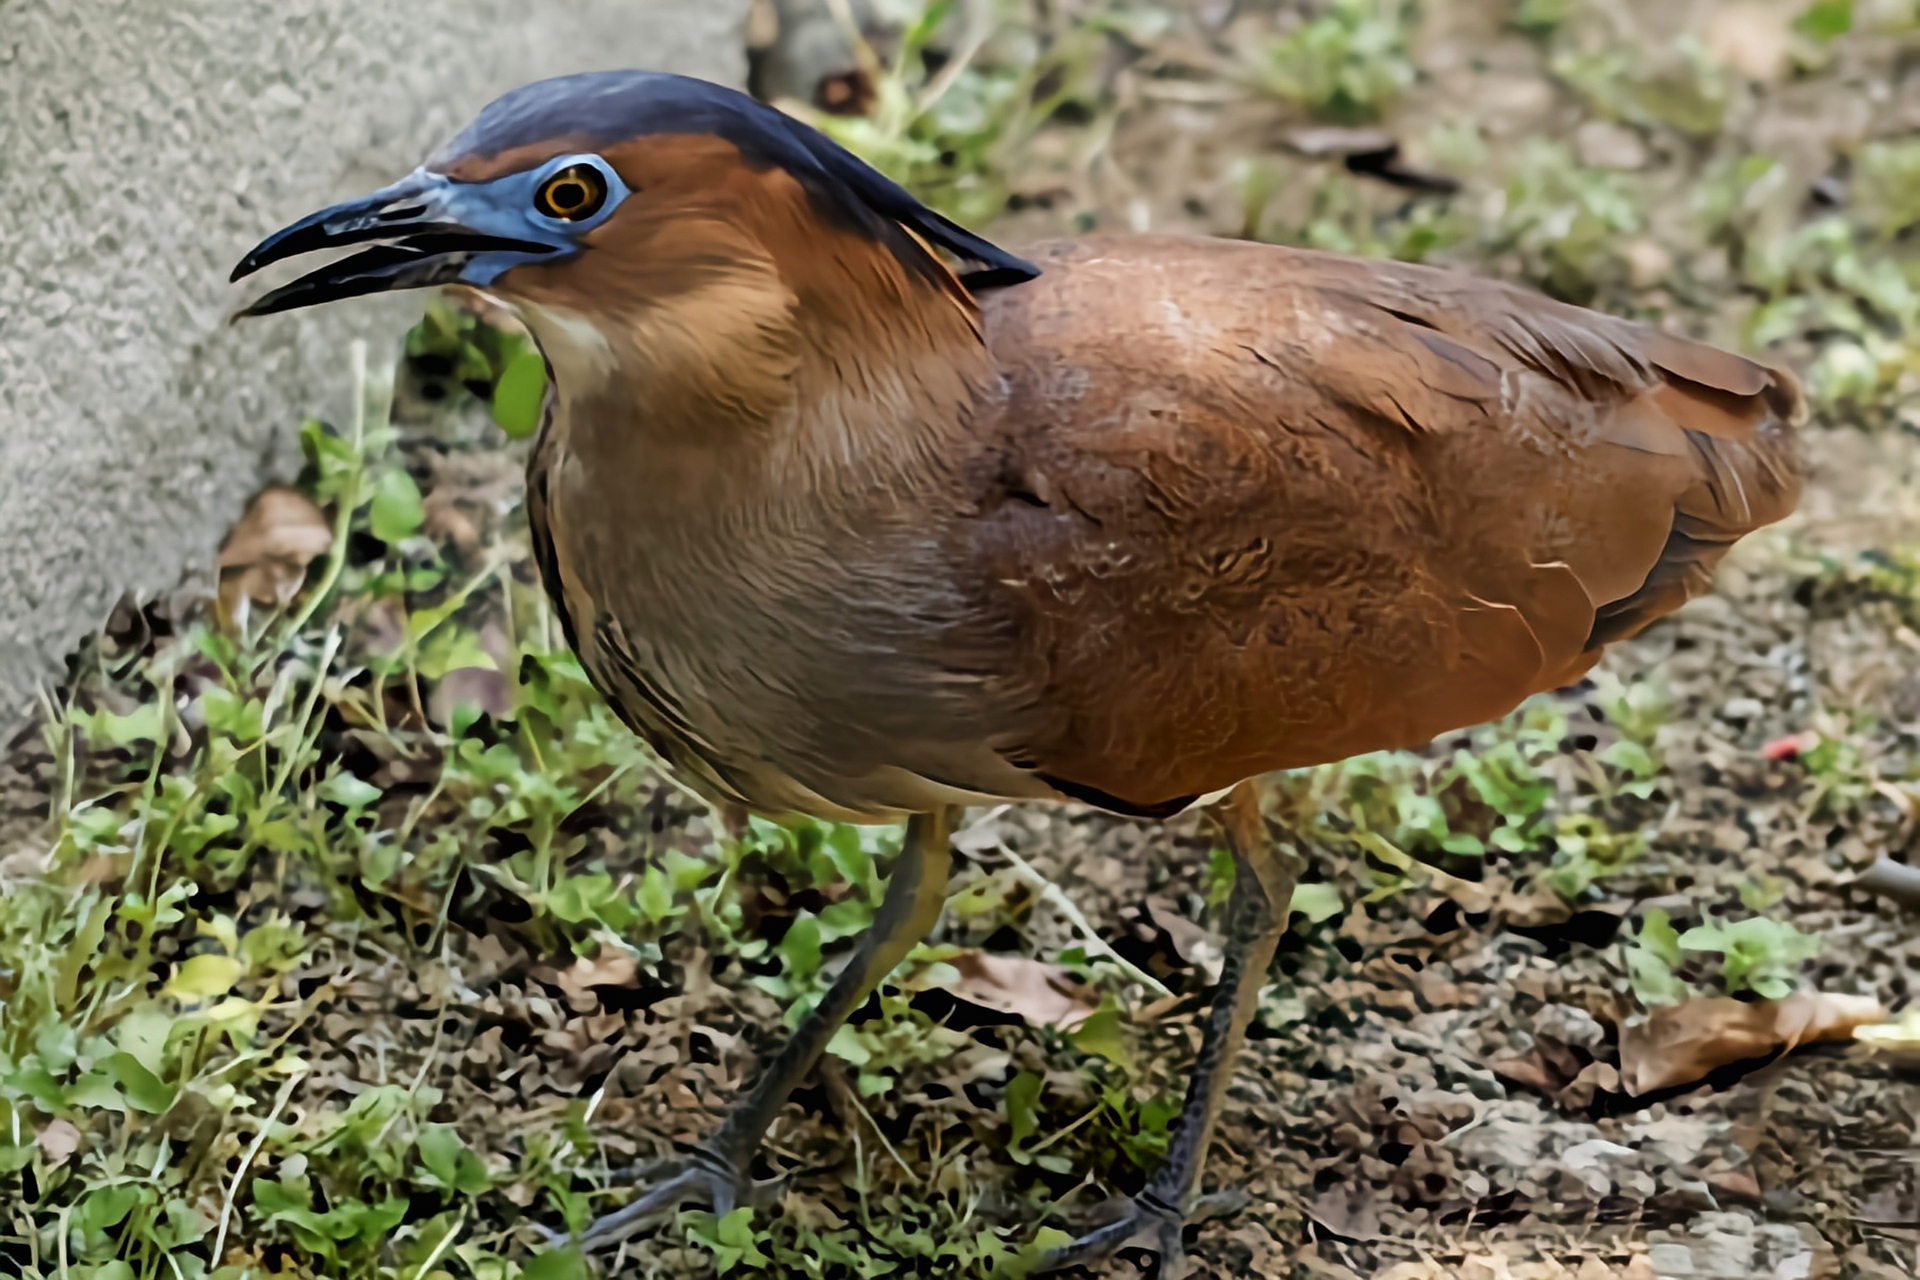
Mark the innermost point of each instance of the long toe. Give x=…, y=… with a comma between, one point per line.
x=1149, y=1222
x=699, y=1179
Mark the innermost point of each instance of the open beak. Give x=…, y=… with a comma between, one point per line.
x=425, y=242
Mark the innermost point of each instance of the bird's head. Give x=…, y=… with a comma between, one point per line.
x=573, y=196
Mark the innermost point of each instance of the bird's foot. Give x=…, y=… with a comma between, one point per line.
x=1148, y=1221
x=699, y=1178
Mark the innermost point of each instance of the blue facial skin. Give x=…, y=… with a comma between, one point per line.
x=505, y=208
x=433, y=230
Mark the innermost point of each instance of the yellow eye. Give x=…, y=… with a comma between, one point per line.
x=573, y=194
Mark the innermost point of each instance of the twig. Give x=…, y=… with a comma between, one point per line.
x=446, y=1241
x=1892, y=880
x=951, y=71
x=836, y=1082
x=419, y=1078
x=349, y=498
x=246, y=1162
x=864, y=58
x=1053, y=896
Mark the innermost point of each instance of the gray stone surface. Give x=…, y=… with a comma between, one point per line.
x=146, y=144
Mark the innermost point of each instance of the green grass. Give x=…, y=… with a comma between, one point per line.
x=249, y=820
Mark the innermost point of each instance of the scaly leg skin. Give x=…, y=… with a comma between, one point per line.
x=719, y=1171
x=1256, y=917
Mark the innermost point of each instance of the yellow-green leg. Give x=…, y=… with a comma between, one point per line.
x=719, y=1171
x=1256, y=917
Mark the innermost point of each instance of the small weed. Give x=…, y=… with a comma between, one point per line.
x=1347, y=64
x=1756, y=954
x=1680, y=89
x=947, y=126
x=1565, y=224
x=254, y=818
x=1531, y=788
x=454, y=352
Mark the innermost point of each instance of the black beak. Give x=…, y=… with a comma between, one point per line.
x=426, y=244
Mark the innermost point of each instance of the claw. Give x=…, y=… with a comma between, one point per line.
x=1150, y=1222
x=700, y=1178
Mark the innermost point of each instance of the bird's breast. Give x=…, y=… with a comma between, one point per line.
x=825, y=664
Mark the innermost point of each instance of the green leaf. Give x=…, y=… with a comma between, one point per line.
x=397, y=510
x=440, y=1151
x=1023, y=1116
x=144, y=1090
x=655, y=895
x=520, y=394
x=560, y=1264
x=801, y=946
x=1825, y=19
x=94, y=1091
x=204, y=976
x=847, y=1046
x=1658, y=936
x=232, y=714
x=447, y=1158
x=1100, y=1036
x=345, y=789
x=106, y=1207
x=106, y=728
x=144, y=1032
x=1318, y=901
x=849, y=855
x=731, y=1240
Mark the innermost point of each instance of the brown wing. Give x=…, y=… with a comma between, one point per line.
x=1258, y=508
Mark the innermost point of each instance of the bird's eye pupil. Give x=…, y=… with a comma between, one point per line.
x=572, y=194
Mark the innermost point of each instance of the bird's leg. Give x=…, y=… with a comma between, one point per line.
x=1256, y=917
x=719, y=1171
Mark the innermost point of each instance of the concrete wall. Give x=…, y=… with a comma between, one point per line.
x=146, y=144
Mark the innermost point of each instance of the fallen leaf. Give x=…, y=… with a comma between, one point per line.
x=206, y=975
x=57, y=1142
x=1898, y=1040
x=1347, y=1212
x=265, y=557
x=1040, y=994
x=615, y=966
x=487, y=689
x=1193, y=944
x=1683, y=1043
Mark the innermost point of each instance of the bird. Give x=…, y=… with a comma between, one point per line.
x=850, y=512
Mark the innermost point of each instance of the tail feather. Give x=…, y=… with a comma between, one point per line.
x=1739, y=423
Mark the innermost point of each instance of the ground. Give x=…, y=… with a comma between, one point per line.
x=345, y=933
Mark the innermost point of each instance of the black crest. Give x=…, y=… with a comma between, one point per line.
x=607, y=107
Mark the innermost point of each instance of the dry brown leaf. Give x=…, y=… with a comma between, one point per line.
x=613, y=967
x=265, y=557
x=1194, y=944
x=57, y=1142
x=1039, y=994
x=1349, y=1212
x=485, y=687
x=1682, y=1043
x=1897, y=1041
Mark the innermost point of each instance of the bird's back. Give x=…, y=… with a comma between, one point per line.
x=1248, y=508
